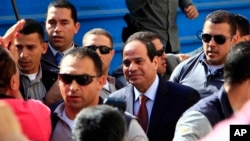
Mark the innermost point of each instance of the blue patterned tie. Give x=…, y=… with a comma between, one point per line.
x=59, y=56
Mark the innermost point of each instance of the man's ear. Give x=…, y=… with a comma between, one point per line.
x=77, y=27
x=101, y=81
x=235, y=39
x=14, y=83
x=45, y=47
x=155, y=62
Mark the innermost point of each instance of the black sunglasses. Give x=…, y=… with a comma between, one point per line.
x=102, y=49
x=160, y=52
x=82, y=79
x=219, y=39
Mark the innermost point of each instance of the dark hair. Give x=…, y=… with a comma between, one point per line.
x=242, y=24
x=222, y=16
x=32, y=26
x=65, y=4
x=237, y=69
x=151, y=50
x=82, y=52
x=98, y=31
x=99, y=123
x=8, y=69
x=148, y=35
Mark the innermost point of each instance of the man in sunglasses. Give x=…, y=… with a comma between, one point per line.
x=200, y=119
x=80, y=81
x=204, y=71
x=101, y=41
x=242, y=31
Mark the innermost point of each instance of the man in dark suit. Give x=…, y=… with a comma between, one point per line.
x=166, y=101
x=61, y=25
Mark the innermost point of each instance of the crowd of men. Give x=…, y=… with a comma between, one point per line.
x=55, y=90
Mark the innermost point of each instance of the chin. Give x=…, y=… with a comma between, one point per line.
x=214, y=62
x=161, y=72
x=135, y=82
x=76, y=105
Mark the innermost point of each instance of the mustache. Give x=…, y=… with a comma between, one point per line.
x=23, y=61
x=134, y=73
x=211, y=51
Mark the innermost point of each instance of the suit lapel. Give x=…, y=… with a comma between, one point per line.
x=159, y=106
x=129, y=93
x=49, y=56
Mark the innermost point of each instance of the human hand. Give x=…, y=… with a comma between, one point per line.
x=11, y=33
x=6, y=40
x=182, y=57
x=191, y=12
x=53, y=95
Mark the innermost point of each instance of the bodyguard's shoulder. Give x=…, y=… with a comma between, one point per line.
x=179, y=87
x=122, y=92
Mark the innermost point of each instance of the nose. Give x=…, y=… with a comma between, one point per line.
x=58, y=27
x=164, y=56
x=211, y=42
x=98, y=52
x=74, y=86
x=132, y=67
x=23, y=53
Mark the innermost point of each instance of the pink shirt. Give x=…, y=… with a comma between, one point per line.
x=34, y=118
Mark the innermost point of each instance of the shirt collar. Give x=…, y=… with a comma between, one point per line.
x=210, y=69
x=54, y=52
x=151, y=91
x=39, y=73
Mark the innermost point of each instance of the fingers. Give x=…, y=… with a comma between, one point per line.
x=1, y=41
x=182, y=57
x=53, y=95
x=7, y=40
x=11, y=33
x=191, y=12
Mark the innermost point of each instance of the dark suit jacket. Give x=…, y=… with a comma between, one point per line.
x=48, y=61
x=50, y=68
x=171, y=101
x=48, y=79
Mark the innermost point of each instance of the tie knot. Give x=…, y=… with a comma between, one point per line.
x=59, y=56
x=143, y=99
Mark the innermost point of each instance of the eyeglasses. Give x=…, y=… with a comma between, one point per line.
x=219, y=39
x=102, y=49
x=160, y=52
x=82, y=79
